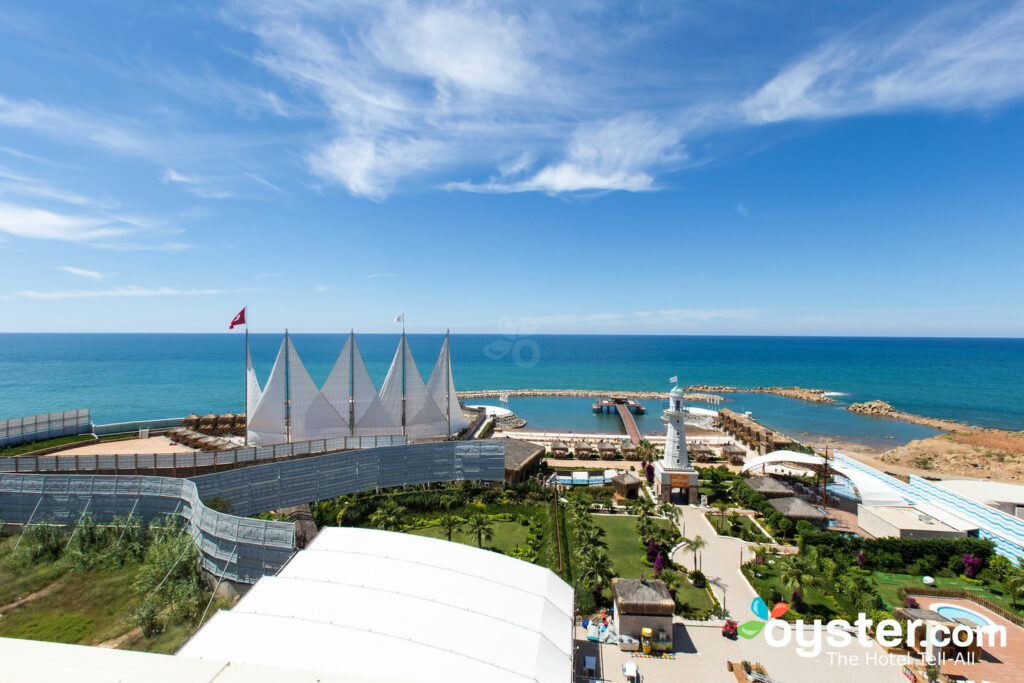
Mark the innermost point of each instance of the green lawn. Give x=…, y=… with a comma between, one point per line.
x=724, y=527
x=83, y=608
x=39, y=445
x=624, y=544
x=889, y=584
x=507, y=535
x=817, y=604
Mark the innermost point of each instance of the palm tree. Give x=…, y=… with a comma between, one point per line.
x=451, y=524
x=596, y=565
x=588, y=537
x=479, y=524
x=670, y=511
x=643, y=507
x=1013, y=583
x=695, y=546
x=721, y=506
x=796, y=574
x=389, y=517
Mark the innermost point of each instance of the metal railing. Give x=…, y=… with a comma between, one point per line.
x=46, y=426
x=188, y=463
x=231, y=544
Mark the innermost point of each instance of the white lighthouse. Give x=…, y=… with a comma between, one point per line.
x=674, y=470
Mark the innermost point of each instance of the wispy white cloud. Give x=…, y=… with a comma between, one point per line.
x=14, y=183
x=321, y=288
x=970, y=56
x=108, y=131
x=201, y=187
x=210, y=88
x=742, y=209
x=34, y=223
x=129, y=291
x=264, y=276
x=99, y=229
x=621, y=154
x=376, y=275
x=82, y=272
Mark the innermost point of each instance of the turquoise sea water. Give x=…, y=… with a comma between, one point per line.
x=125, y=377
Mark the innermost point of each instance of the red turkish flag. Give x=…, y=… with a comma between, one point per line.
x=238, y=319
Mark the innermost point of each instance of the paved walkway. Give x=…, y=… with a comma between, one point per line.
x=154, y=444
x=720, y=561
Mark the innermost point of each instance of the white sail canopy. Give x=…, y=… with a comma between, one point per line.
x=312, y=415
x=265, y=422
x=441, y=387
x=291, y=407
x=349, y=379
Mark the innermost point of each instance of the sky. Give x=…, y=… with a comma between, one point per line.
x=839, y=168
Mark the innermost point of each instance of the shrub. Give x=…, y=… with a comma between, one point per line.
x=698, y=579
x=997, y=563
x=147, y=616
x=972, y=565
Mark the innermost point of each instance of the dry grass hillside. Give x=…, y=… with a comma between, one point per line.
x=989, y=454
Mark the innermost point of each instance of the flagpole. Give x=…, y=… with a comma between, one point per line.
x=287, y=395
x=351, y=382
x=448, y=379
x=245, y=434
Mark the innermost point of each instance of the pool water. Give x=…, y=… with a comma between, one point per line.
x=955, y=612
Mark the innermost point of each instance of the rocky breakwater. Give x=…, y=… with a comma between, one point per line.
x=811, y=395
x=696, y=392
x=883, y=409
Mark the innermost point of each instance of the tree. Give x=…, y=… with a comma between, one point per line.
x=451, y=524
x=388, y=517
x=1013, y=582
x=695, y=546
x=795, y=573
x=596, y=568
x=721, y=506
x=670, y=511
x=479, y=524
x=643, y=507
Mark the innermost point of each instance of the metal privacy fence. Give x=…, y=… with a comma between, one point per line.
x=238, y=548
x=188, y=464
x=232, y=545
x=252, y=490
x=47, y=426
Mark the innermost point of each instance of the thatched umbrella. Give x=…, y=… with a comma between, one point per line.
x=208, y=422
x=225, y=423
x=629, y=450
x=191, y=421
x=559, y=447
x=583, y=447
x=607, y=447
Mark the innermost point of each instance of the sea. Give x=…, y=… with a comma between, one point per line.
x=129, y=377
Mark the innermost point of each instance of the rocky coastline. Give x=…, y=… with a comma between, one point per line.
x=883, y=409
x=697, y=392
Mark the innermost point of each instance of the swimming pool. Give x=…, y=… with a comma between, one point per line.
x=957, y=612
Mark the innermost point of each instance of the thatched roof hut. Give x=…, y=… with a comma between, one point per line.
x=626, y=485
x=559, y=447
x=208, y=421
x=583, y=447
x=642, y=596
x=798, y=509
x=520, y=458
x=769, y=487
x=607, y=447
x=191, y=421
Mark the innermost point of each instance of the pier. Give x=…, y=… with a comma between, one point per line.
x=626, y=408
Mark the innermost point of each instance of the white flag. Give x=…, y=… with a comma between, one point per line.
x=673, y=380
x=400, y=318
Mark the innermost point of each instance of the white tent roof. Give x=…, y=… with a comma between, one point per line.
x=870, y=484
x=402, y=607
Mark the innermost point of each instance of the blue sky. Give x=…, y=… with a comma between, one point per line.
x=850, y=168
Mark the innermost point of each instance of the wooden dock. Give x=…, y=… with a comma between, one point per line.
x=626, y=407
x=628, y=422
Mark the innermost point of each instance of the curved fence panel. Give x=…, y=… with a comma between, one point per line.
x=233, y=545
